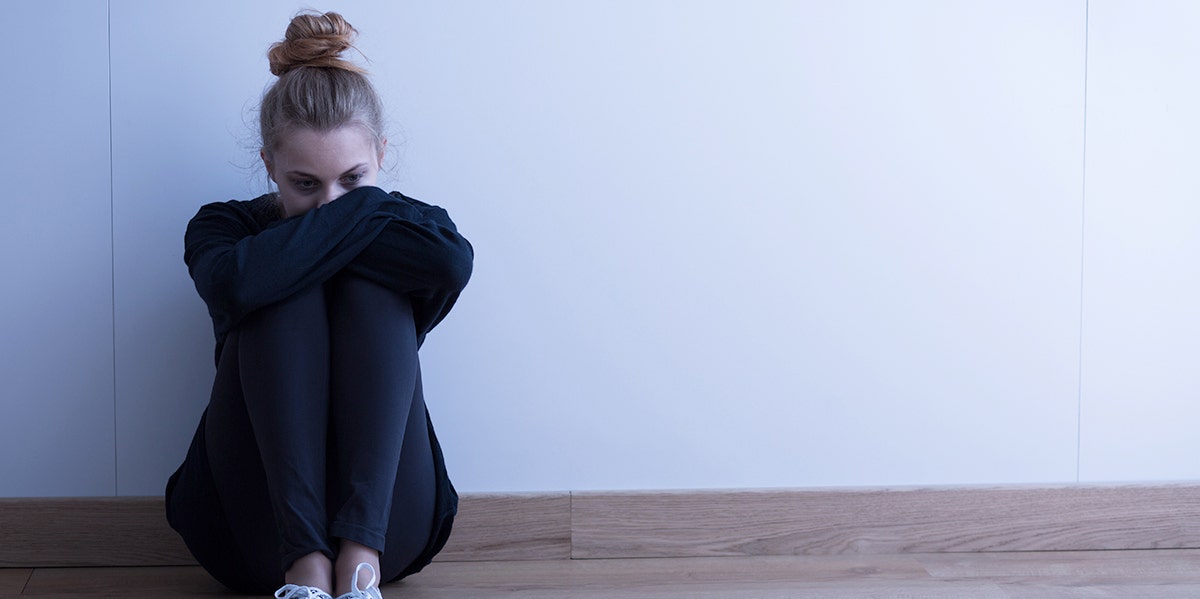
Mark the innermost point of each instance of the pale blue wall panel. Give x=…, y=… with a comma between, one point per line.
x=56, y=407
x=1141, y=320
x=753, y=244
x=718, y=244
x=182, y=96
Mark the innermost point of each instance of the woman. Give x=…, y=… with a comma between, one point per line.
x=315, y=460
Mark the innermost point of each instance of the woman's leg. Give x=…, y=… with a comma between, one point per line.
x=414, y=494
x=266, y=439
x=382, y=483
x=194, y=503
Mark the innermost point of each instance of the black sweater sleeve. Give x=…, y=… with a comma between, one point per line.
x=420, y=254
x=240, y=263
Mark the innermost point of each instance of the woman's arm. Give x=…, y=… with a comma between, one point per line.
x=419, y=253
x=238, y=267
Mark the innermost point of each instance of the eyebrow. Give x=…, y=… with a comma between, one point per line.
x=304, y=174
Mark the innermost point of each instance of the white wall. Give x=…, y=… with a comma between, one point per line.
x=56, y=253
x=719, y=244
x=1141, y=306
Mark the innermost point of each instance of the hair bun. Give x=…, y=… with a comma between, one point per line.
x=314, y=39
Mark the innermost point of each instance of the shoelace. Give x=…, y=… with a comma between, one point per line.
x=366, y=592
x=295, y=591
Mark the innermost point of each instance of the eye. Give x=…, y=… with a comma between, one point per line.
x=352, y=179
x=304, y=184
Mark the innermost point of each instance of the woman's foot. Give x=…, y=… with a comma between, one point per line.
x=354, y=558
x=308, y=576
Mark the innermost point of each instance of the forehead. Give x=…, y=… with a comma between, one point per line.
x=323, y=152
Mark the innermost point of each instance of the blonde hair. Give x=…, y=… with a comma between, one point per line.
x=317, y=89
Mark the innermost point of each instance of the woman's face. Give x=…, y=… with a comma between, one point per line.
x=313, y=168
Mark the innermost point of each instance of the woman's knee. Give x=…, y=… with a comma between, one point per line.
x=300, y=315
x=360, y=300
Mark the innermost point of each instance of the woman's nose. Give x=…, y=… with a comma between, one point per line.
x=330, y=195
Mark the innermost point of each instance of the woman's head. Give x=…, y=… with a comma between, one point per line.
x=321, y=99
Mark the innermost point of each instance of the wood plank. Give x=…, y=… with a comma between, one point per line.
x=147, y=582
x=517, y=526
x=132, y=531
x=793, y=522
x=1120, y=591
x=1146, y=574
x=669, y=572
x=727, y=577
x=88, y=531
x=1093, y=575
x=1149, y=566
x=927, y=589
x=12, y=581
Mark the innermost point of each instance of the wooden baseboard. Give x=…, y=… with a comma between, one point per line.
x=88, y=531
x=782, y=522
x=132, y=531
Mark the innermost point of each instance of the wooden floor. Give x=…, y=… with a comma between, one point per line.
x=1142, y=574
x=1068, y=542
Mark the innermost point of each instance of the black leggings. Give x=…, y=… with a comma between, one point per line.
x=315, y=431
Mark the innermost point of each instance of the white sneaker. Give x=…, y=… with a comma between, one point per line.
x=295, y=591
x=366, y=592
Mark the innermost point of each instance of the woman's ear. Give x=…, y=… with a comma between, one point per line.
x=267, y=164
x=382, y=151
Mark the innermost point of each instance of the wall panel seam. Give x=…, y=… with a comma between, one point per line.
x=1082, y=250
x=112, y=247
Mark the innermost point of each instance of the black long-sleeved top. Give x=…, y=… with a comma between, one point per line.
x=242, y=255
